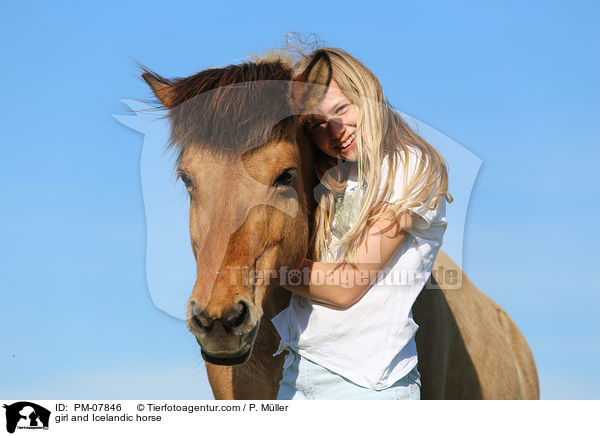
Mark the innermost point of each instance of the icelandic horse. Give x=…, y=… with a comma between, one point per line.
x=247, y=165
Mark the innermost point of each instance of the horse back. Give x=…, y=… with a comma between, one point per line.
x=468, y=346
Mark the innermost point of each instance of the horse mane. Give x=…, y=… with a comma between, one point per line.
x=231, y=109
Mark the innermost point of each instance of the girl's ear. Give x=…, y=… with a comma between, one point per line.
x=161, y=87
x=318, y=72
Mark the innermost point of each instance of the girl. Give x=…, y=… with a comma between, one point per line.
x=349, y=332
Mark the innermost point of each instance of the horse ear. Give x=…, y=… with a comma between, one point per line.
x=161, y=87
x=317, y=72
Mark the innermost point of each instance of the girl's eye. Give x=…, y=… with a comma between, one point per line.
x=315, y=121
x=341, y=109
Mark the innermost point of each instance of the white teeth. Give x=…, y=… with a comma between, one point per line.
x=347, y=142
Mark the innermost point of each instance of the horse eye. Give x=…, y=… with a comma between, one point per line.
x=186, y=180
x=286, y=177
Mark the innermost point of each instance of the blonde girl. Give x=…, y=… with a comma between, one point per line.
x=349, y=331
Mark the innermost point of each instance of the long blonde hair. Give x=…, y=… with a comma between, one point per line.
x=381, y=133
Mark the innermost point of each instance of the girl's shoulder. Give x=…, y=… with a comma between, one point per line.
x=411, y=167
x=407, y=165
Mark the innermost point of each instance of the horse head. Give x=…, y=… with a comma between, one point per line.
x=246, y=164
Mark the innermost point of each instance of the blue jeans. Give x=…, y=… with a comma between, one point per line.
x=305, y=380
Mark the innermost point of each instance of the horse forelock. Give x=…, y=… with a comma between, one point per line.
x=232, y=109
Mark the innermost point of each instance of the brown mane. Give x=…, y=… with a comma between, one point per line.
x=228, y=110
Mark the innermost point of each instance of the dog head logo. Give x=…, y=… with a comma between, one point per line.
x=26, y=415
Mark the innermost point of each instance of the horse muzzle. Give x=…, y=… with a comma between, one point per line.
x=227, y=340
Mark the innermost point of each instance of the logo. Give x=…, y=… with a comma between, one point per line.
x=26, y=415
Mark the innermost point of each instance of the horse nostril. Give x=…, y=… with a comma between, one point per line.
x=235, y=316
x=203, y=321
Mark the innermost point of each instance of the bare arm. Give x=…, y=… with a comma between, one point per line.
x=344, y=286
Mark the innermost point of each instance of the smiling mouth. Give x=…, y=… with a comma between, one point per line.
x=347, y=143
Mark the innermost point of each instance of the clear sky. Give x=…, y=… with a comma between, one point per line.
x=515, y=83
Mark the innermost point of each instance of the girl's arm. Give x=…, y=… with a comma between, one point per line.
x=344, y=286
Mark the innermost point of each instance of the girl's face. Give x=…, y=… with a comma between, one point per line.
x=334, y=129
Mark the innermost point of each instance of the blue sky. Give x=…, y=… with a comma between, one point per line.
x=516, y=84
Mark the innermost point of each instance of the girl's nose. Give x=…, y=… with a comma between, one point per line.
x=336, y=128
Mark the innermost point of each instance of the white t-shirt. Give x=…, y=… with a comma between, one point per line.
x=372, y=342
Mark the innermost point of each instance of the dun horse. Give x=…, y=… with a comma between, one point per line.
x=247, y=166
